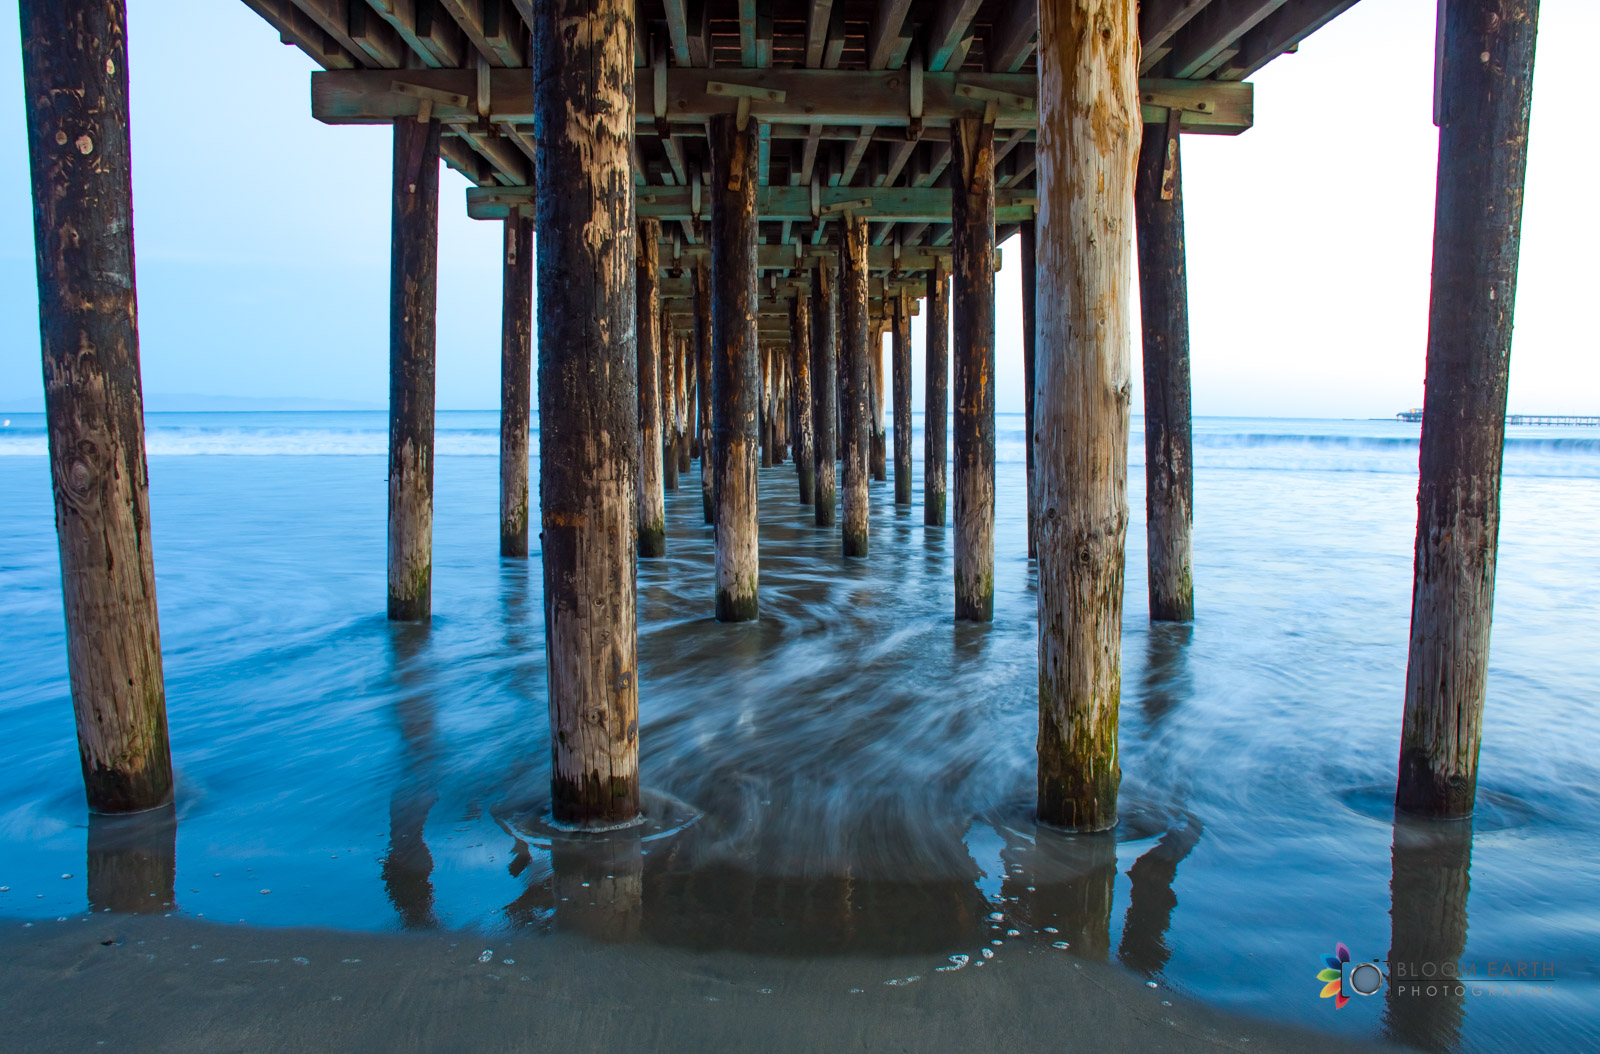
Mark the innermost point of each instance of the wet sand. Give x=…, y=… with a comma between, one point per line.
x=176, y=985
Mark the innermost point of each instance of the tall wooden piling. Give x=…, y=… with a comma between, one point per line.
x=736, y=370
x=1168, y=442
x=853, y=352
x=877, y=384
x=588, y=403
x=780, y=403
x=652, y=468
x=75, y=76
x=825, y=389
x=413, y=298
x=668, y=373
x=766, y=406
x=805, y=445
x=972, y=224
x=936, y=395
x=516, y=381
x=1030, y=284
x=682, y=353
x=702, y=346
x=902, y=400
x=1487, y=82
x=1089, y=124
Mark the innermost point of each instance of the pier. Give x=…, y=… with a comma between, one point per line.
x=724, y=206
x=1551, y=420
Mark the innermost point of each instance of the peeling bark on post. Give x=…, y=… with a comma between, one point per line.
x=824, y=390
x=1089, y=126
x=702, y=345
x=652, y=469
x=516, y=382
x=902, y=401
x=413, y=298
x=75, y=75
x=736, y=369
x=1168, y=442
x=1029, y=322
x=668, y=372
x=853, y=330
x=972, y=226
x=876, y=388
x=1483, y=154
x=936, y=399
x=588, y=403
x=805, y=449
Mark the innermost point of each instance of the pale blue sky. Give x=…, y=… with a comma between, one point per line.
x=263, y=236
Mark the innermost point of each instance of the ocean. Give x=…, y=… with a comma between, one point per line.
x=850, y=776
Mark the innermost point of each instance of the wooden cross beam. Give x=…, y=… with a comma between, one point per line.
x=901, y=204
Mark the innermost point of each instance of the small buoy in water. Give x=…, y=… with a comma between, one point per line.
x=66, y=876
x=266, y=891
x=1149, y=984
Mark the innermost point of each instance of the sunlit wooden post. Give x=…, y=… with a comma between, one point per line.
x=702, y=344
x=800, y=368
x=1027, y=236
x=972, y=224
x=902, y=400
x=1168, y=442
x=825, y=389
x=516, y=377
x=936, y=400
x=735, y=360
x=853, y=352
x=667, y=372
x=1487, y=83
x=650, y=340
x=588, y=403
x=75, y=76
x=876, y=388
x=1089, y=124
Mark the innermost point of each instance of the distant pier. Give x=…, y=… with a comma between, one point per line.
x=1415, y=417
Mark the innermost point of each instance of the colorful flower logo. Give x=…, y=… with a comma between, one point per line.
x=1333, y=973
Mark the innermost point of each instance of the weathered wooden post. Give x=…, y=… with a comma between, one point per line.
x=936, y=396
x=1168, y=442
x=702, y=346
x=1487, y=82
x=588, y=403
x=735, y=361
x=413, y=297
x=902, y=400
x=972, y=226
x=780, y=401
x=805, y=447
x=652, y=501
x=75, y=76
x=668, y=373
x=1027, y=236
x=875, y=400
x=857, y=377
x=516, y=376
x=1088, y=147
x=825, y=389
x=681, y=355
x=766, y=406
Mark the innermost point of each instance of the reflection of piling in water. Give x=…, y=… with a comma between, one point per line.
x=1166, y=680
x=133, y=862
x=1428, y=932
x=599, y=885
x=1064, y=881
x=1151, y=900
x=407, y=867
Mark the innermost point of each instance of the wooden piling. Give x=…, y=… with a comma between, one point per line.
x=805, y=446
x=853, y=353
x=1028, y=236
x=902, y=401
x=413, y=298
x=824, y=390
x=1168, y=442
x=516, y=381
x=652, y=468
x=668, y=372
x=736, y=369
x=766, y=406
x=588, y=403
x=1487, y=82
x=780, y=401
x=936, y=396
x=972, y=226
x=877, y=385
x=1089, y=123
x=682, y=355
x=75, y=76
x=702, y=344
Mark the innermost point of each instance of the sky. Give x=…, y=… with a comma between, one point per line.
x=262, y=236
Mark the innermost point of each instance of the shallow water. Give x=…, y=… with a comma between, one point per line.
x=850, y=775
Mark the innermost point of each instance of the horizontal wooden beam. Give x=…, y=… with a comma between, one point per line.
x=769, y=257
x=808, y=97
x=1280, y=31
x=901, y=204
